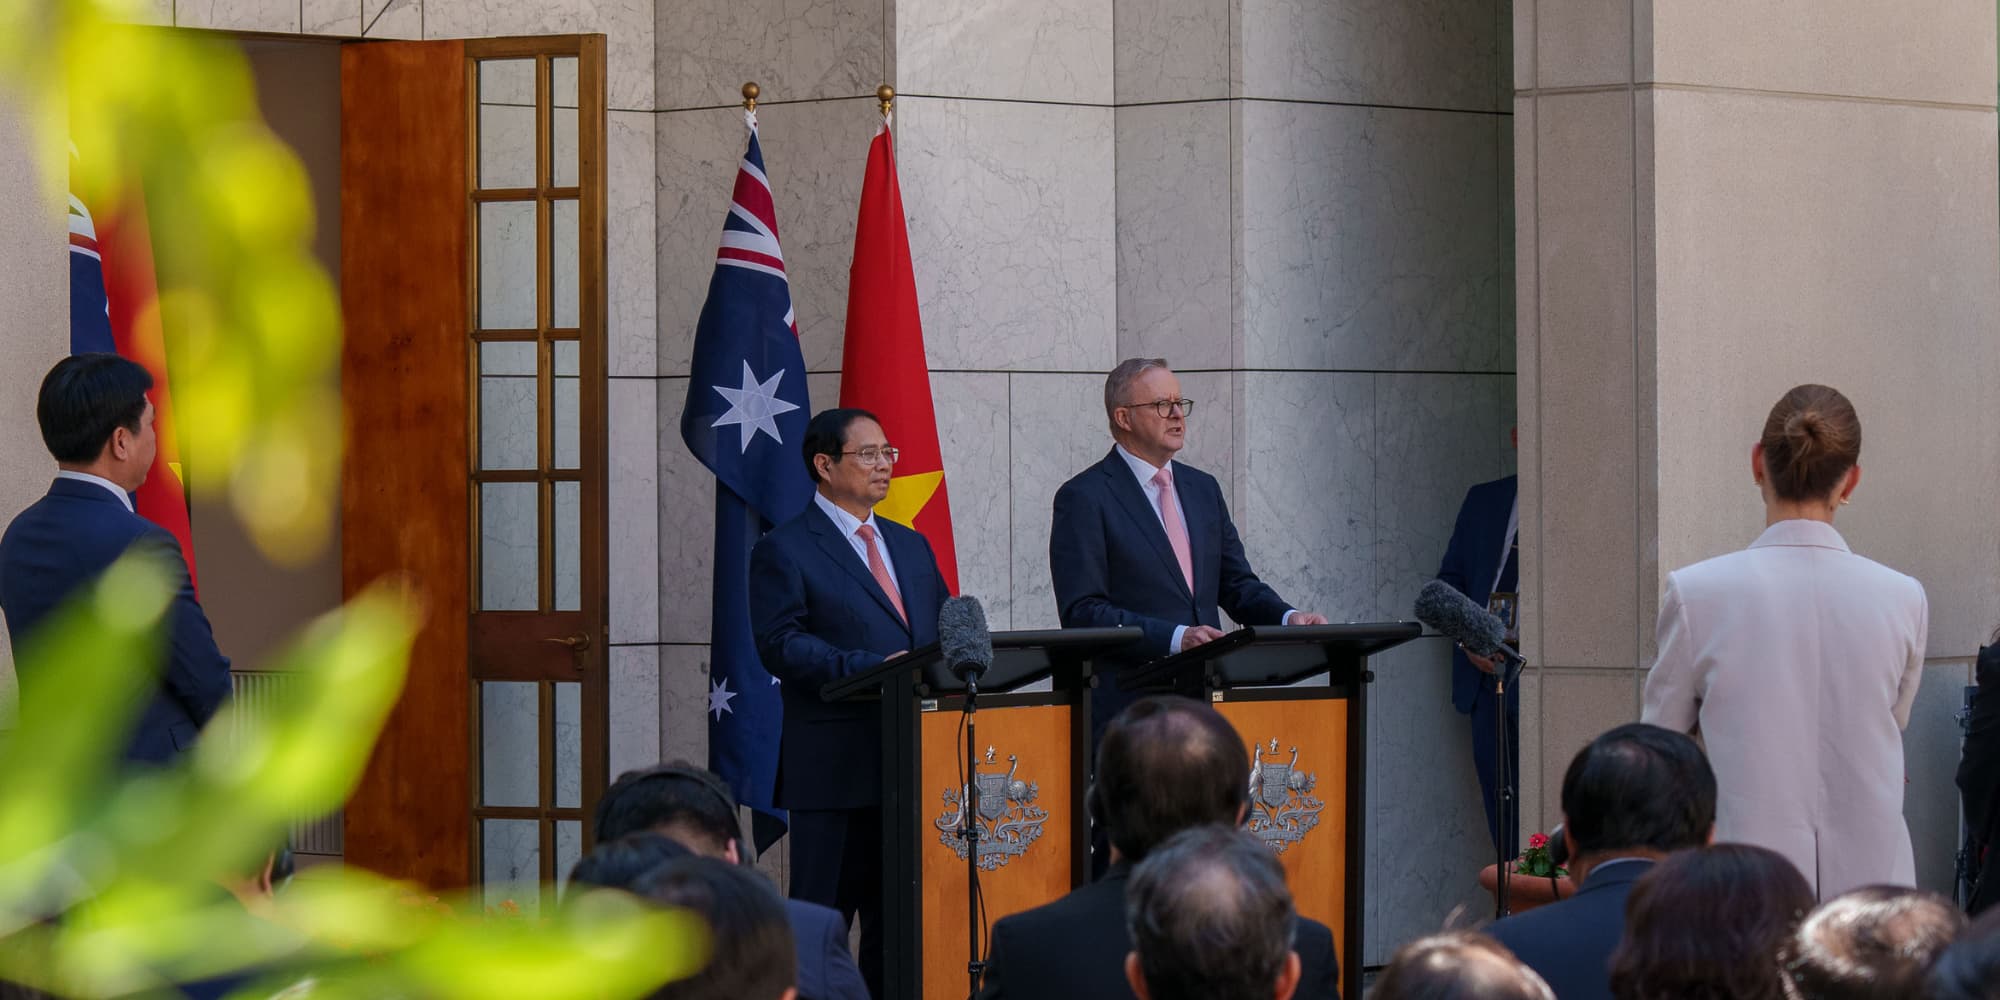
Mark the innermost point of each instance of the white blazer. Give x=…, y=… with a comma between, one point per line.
x=1799, y=662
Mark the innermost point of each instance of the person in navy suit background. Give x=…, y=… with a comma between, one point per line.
x=98, y=424
x=835, y=591
x=1482, y=558
x=1142, y=540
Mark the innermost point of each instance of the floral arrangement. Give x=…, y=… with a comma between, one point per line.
x=1535, y=860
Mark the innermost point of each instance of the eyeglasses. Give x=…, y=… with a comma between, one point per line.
x=1166, y=407
x=876, y=456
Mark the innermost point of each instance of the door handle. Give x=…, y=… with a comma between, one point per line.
x=577, y=643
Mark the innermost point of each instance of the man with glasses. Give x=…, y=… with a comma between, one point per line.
x=835, y=591
x=1142, y=540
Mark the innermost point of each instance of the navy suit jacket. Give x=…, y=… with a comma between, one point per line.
x=1470, y=563
x=1075, y=948
x=826, y=966
x=1569, y=943
x=818, y=616
x=66, y=540
x=1112, y=565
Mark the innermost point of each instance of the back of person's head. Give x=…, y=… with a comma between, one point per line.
x=750, y=954
x=1811, y=438
x=1969, y=968
x=1167, y=764
x=683, y=801
x=1711, y=922
x=84, y=398
x=1458, y=965
x=1211, y=919
x=1872, y=943
x=1638, y=787
x=621, y=863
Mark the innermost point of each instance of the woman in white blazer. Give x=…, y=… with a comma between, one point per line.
x=1797, y=661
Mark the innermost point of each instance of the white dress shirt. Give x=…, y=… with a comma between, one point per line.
x=850, y=527
x=85, y=477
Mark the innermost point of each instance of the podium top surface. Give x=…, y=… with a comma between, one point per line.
x=1273, y=654
x=1019, y=658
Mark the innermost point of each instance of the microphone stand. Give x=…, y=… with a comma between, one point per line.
x=968, y=830
x=1504, y=803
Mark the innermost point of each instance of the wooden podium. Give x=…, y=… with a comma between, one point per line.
x=1032, y=766
x=1308, y=751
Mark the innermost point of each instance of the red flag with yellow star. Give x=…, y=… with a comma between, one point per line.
x=882, y=366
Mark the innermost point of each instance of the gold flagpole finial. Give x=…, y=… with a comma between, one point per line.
x=886, y=95
x=750, y=92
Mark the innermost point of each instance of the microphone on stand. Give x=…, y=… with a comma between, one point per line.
x=963, y=638
x=1453, y=615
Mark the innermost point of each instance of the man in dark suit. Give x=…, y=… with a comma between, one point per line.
x=98, y=424
x=1483, y=559
x=835, y=591
x=695, y=809
x=1139, y=539
x=1166, y=764
x=1633, y=796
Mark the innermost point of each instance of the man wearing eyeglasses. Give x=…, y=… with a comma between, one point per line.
x=1140, y=539
x=835, y=591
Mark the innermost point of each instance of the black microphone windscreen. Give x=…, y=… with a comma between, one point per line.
x=1454, y=616
x=963, y=638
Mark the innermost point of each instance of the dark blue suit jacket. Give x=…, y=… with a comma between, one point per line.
x=66, y=540
x=1470, y=562
x=1112, y=565
x=826, y=966
x=819, y=616
x=1569, y=943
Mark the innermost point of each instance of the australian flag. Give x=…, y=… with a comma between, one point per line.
x=745, y=414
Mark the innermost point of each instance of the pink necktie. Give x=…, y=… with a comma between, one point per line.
x=880, y=570
x=1176, y=531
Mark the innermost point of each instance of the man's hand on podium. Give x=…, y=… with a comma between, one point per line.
x=1198, y=634
x=1306, y=618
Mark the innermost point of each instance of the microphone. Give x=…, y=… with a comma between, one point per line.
x=963, y=637
x=1454, y=616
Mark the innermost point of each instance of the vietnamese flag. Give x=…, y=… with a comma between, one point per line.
x=882, y=366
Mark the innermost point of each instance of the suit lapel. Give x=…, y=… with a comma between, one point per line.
x=838, y=549
x=911, y=578
x=1143, y=514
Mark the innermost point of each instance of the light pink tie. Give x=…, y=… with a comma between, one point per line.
x=880, y=570
x=1170, y=516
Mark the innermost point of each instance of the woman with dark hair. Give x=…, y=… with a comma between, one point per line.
x=1798, y=661
x=1710, y=924
x=1979, y=779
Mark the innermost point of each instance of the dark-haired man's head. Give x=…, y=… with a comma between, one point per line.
x=750, y=953
x=1458, y=965
x=95, y=417
x=621, y=863
x=1969, y=969
x=850, y=458
x=1168, y=764
x=676, y=799
x=1638, y=790
x=1872, y=943
x=1211, y=919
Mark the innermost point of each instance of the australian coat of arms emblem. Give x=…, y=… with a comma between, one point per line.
x=1282, y=807
x=1008, y=819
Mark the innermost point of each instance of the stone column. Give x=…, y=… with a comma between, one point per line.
x=1717, y=201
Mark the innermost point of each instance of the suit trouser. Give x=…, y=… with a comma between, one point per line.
x=837, y=862
x=1484, y=710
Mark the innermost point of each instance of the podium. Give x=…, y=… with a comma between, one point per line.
x=1032, y=777
x=1308, y=751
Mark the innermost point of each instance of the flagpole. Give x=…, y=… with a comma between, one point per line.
x=750, y=92
x=886, y=96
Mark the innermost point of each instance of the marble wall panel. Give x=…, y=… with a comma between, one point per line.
x=1581, y=43
x=1426, y=827
x=687, y=526
x=1435, y=437
x=635, y=569
x=972, y=412
x=795, y=50
x=1057, y=425
x=1012, y=223
x=330, y=17
x=626, y=24
x=238, y=15
x=631, y=231
x=1371, y=239
x=1307, y=475
x=1214, y=435
x=1411, y=53
x=1175, y=234
x=1923, y=50
x=1022, y=50
x=635, y=708
x=392, y=18
x=1930, y=758
x=684, y=703
x=1170, y=50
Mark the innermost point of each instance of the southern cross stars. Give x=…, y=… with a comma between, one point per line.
x=718, y=698
x=753, y=406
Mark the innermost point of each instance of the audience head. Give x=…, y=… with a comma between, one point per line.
x=677, y=799
x=1710, y=922
x=1969, y=968
x=621, y=863
x=1811, y=444
x=1458, y=965
x=94, y=414
x=1211, y=919
x=1872, y=943
x=750, y=954
x=1167, y=764
x=1638, y=789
